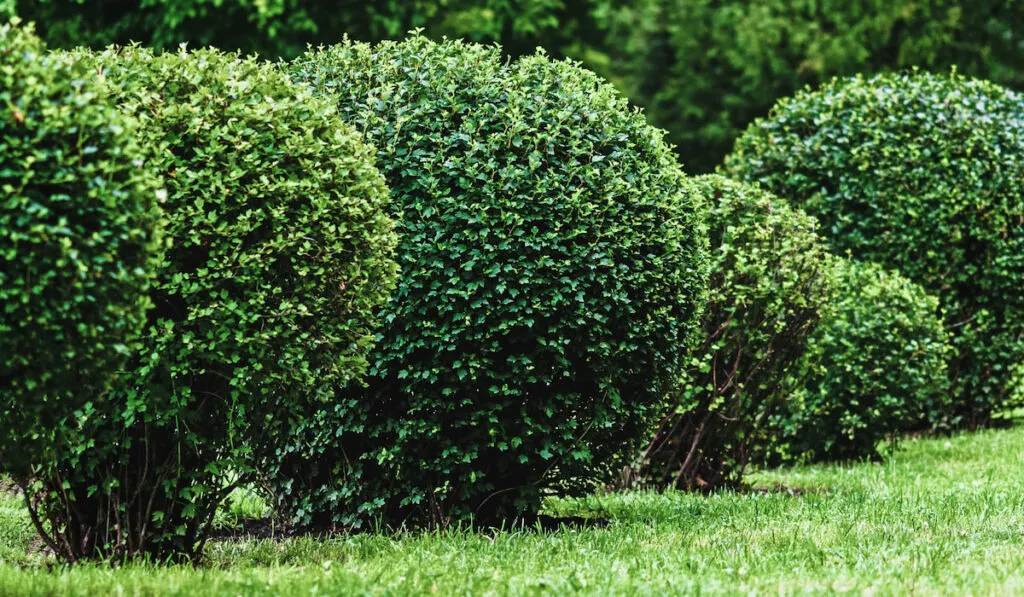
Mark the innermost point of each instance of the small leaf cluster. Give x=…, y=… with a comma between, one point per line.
x=875, y=367
x=553, y=272
x=925, y=174
x=279, y=255
x=770, y=280
x=79, y=231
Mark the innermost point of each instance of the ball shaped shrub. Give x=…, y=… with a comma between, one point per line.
x=923, y=173
x=553, y=272
x=770, y=280
x=78, y=236
x=280, y=254
x=875, y=366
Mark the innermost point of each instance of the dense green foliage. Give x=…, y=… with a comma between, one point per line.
x=280, y=253
x=923, y=173
x=875, y=367
x=942, y=517
x=769, y=280
x=78, y=236
x=553, y=274
x=704, y=69
x=76, y=226
x=284, y=28
x=554, y=254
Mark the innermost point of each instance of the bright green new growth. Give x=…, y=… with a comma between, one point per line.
x=553, y=275
x=875, y=366
x=923, y=173
x=281, y=253
x=78, y=236
x=769, y=281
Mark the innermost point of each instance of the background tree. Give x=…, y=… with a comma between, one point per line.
x=703, y=69
x=707, y=68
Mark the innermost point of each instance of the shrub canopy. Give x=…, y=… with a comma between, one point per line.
x=875, y=367
x=770, y=279
x=281, y=252
x=78, y=237
x=925, y=174
x=552, y=275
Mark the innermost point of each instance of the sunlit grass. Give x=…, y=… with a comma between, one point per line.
x=943, y=516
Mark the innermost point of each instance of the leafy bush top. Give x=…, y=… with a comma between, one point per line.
x=552, y=275
x=875, y=367
x=276, y=211
x=267, y=298
x=78, y=221
x=769, y=281
x=923, y=173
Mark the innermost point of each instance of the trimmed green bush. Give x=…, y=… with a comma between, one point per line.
x=875, y=367
x=770, y=279
x=78, y=237
x=925, y=174
x=281, y=253
x=553, y=273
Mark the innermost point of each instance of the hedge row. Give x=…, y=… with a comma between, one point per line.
x=214, y=244
x=925, y=174
x=552, y=262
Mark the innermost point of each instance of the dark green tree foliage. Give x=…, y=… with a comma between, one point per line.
x=707, y=68
x=272, y=27
x=552, y=275
x=770, y=280
x=285, y=27
x=923, y=173
x=78, y=235
x=703, y=69
x=280, y=254
x=875, y=366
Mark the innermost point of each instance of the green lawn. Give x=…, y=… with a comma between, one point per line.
x=942, y=517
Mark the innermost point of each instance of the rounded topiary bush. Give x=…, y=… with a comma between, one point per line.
x=280, y=254
x=875, y=366
x=78, y=236
x=923, y=173
x=770, y=279
x=553, y=273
